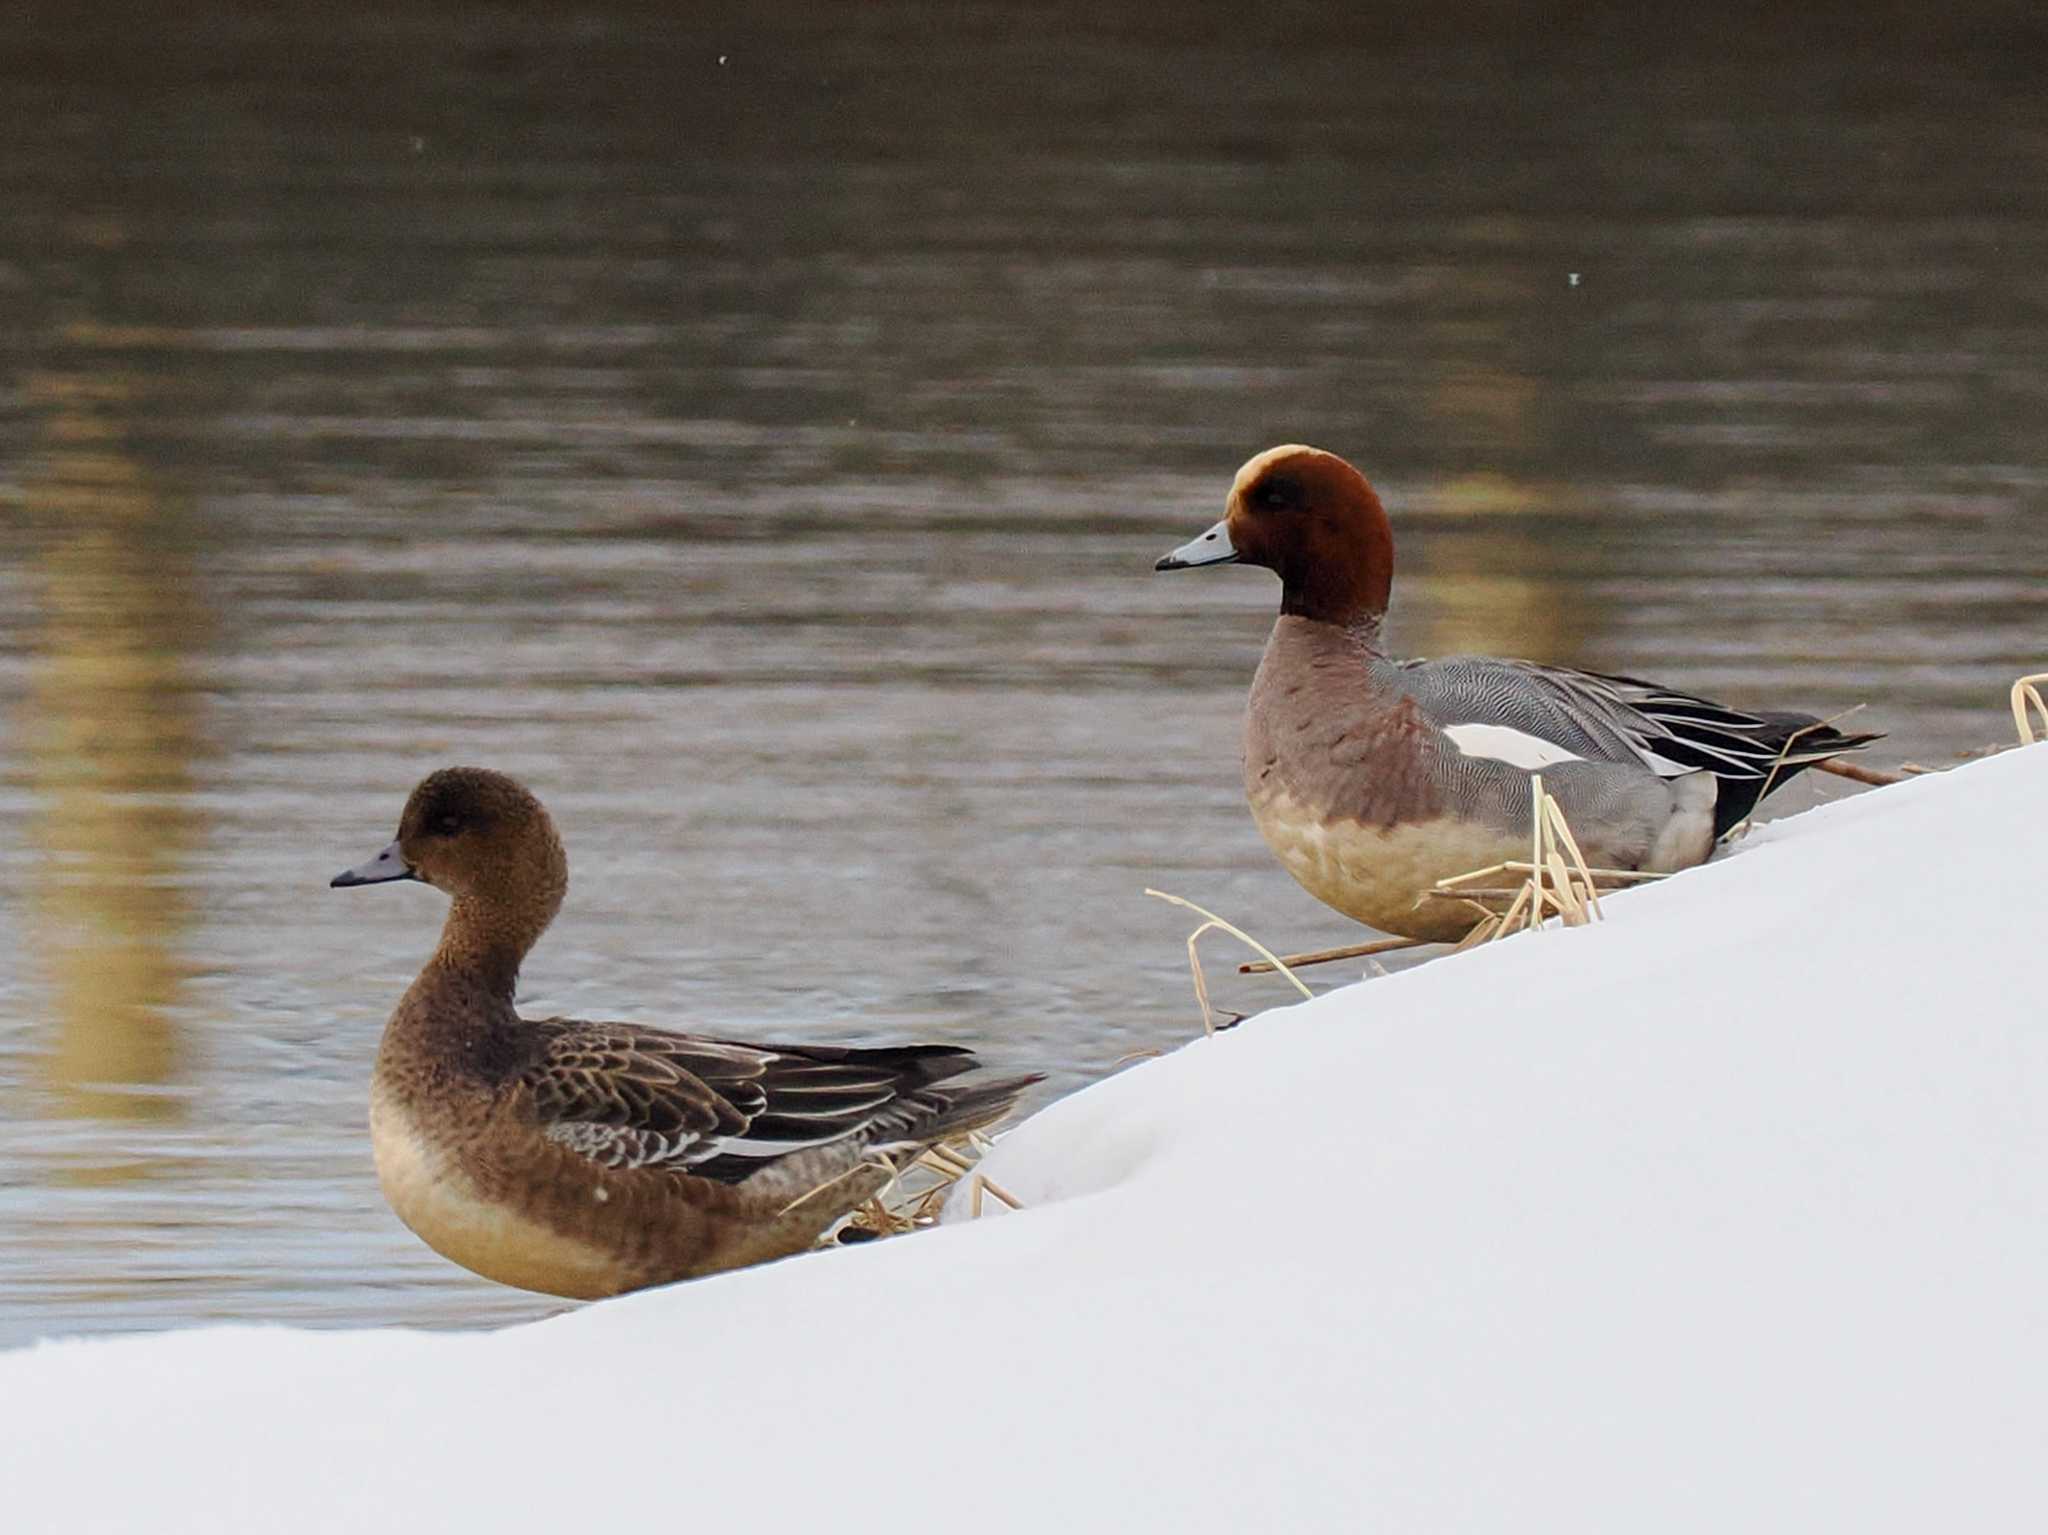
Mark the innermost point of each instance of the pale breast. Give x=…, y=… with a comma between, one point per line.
x=1380, y=875
x=425, y=1184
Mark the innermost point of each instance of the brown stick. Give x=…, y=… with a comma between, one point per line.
x=1856, y=772
x=1324, y=956
x=1483, y=893
x=1451, y=884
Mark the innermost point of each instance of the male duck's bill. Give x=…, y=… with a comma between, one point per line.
x=389, y=864
x=1212, y=548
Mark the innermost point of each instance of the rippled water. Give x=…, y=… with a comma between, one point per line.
x=755, y=431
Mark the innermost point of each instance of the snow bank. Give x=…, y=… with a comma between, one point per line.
x=1731, y=1213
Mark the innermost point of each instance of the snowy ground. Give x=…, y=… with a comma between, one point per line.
x=1729, y=1214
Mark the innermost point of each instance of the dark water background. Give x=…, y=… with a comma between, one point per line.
x=755, y=428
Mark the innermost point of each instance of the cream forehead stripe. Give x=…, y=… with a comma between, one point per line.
x=1258, y=463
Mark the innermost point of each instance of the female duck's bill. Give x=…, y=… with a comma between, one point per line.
x=387, y=865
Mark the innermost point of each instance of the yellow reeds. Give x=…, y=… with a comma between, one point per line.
x=2025, y=695
x=1195, y=959
x=1556, y=881
x=1741, y=827
x=916, y=1190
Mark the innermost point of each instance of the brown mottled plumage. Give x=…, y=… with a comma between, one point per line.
x=585, y=1158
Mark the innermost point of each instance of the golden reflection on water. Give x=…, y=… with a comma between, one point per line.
x=1493, y=589
x=111, y=737
x=1477, y=608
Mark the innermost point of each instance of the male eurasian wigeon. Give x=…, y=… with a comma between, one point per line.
x=1371, y=779
x=583, y=1159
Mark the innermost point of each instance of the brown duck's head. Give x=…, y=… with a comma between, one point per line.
x=485, y=840
x=1314, y=521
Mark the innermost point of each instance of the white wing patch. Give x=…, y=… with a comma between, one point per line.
x=1504, y=743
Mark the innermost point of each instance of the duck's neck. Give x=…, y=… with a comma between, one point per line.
x=1340, y=572
x=462, y=1002
x=1332, y=594
x=1359, y=632
x=457, y=1020
x=480, y=946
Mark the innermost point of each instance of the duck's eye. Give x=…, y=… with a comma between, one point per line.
x=446, y=824
x=1277, y=493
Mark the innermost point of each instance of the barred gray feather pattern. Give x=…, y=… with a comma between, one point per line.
x=1624, y=719
x=1612, y=718
x=1541, y=701
x=628, y=1096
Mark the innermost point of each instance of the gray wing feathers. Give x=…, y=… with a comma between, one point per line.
x=1617, y=719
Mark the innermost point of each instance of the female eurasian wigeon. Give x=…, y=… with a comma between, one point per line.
x=583, y=1159
x=1371, y=779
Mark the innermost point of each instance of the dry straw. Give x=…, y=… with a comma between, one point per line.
x=2025, y=696
x=1556, y=881
x=1830, y=764
x=916, y=1191
x=1195, y=958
